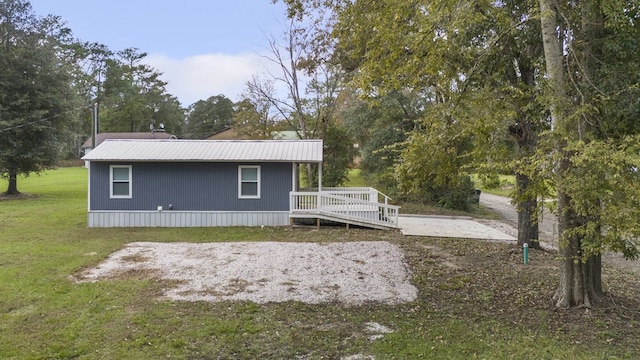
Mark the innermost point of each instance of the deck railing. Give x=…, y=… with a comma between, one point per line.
x=360, y=193
x=348, y=204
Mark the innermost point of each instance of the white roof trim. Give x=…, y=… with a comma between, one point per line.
x=208, y=151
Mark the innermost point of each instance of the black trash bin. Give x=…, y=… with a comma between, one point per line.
x=474, y=198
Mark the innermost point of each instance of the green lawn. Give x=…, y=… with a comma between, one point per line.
x=355, y=179
x=505, y=187
x=489, y=306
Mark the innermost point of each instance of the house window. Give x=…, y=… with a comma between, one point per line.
x=249, y=182
x=120, y=181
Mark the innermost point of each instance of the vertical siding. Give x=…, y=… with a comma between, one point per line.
x=186, y=219
x=192, y=186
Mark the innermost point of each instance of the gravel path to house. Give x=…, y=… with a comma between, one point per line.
x=349, y=272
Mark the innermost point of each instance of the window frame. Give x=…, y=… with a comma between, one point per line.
x=258, y=181
x=112, y=181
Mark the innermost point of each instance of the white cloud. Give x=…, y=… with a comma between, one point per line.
x=202, y=76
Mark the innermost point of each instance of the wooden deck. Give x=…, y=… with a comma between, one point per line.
x=355, y=206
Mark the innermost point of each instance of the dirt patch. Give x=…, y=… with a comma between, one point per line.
x=443, y=256
x=351, y=272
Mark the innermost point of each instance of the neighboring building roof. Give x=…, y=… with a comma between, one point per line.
x=208, y=150
x=230, y=133
x=227, y=133
x=286, y=135
x=157, y=135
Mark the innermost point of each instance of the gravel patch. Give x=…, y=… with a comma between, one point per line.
x=376, y=331
x=262, y=272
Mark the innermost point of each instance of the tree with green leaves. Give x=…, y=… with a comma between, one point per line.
x=421, y=49
x=462, y=59
x=207, y=117
x=338, y=154
x=380, y=127
x=35, y=90
x=254, y=114
x=89, y=62
x=591, y=51
x=134, y=97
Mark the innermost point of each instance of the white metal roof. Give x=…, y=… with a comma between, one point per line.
x=208, y=150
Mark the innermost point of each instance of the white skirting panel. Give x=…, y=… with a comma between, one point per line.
x=186, y=218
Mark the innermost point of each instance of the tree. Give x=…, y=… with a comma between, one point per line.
x=35, y=90
x=338, y=154
x=312, y=85
x=460, y=57
x=291, y=106
x=254, y=114
x=88, y=70
x=420, y=49
x=169, y=112
x=380, y=127
x=595, y=156
x=134, y=97
x=207, y=117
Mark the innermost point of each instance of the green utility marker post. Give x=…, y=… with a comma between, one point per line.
x=525, y=253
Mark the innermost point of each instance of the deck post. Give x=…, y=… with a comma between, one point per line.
x=319, y=177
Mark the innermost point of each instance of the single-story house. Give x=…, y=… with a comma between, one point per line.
x=190, y=183
x=151, y=135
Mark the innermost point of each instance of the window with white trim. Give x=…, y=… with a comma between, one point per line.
x=249, y=182
x=120, y=181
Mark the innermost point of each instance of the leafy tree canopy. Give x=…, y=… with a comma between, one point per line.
x=35, y=90
x=207, y=117
x=134, y=98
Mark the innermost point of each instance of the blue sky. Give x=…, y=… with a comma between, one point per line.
x=202, y=47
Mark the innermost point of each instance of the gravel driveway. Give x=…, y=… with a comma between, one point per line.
x=548, y=229
x=347, y=272
x=548, y=225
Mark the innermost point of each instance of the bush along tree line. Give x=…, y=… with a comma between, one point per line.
x=543, y=90
x=53, y=85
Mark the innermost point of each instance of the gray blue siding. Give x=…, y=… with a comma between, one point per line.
x=191, y=187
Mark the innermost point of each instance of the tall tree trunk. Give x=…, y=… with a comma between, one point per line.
x=526, y=138
x=527, y=214
x=580, y=280
x=12, y=189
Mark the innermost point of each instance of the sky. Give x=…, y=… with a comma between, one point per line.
x=203, y=48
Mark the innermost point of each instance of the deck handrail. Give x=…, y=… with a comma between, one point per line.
x=367, y=193
x=325, y=203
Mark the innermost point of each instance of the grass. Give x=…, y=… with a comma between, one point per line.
x=476, y=299
x=355, y=179
x=505, y=187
